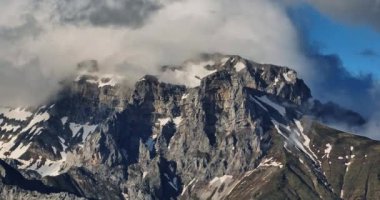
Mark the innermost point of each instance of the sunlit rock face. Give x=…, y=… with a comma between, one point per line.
x=220, y=127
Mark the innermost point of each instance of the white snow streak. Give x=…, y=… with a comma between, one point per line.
x=328, y=150
x=220, y=180
x=270, y=162
x=239, y=66
x=280, y=109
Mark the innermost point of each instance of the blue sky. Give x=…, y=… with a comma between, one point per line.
x=348, y=41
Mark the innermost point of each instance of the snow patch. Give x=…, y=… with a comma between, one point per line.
x=85, y=129
x=276, y=80
x=10, y=128
x=37, y=118
x=177, y=121
x=270, y=162
x=64, y=147
x=295, y=138
x=328, y=150
x=164, y=121
x=5, y=148
x=18, y=114
x=44, y=167
x=348, y=165
x=239, y=66
x=220, y=180
x=64, y=120
x=145, y=174
x=184, y=96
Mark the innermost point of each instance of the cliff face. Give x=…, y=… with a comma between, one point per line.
x=240, y=130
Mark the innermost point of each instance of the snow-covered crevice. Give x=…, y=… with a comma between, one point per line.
x=166, y=120
x=258, y=103
x=279, y=108
x=9, y=128
x=306, y=141
x=327, y=151
x=44, y=166
x=17, y=149
x=82, y=129
x=64, y=120
x=294, y=137
x=185, y=188
x=224, y=184
x=36, y=119
x=172, y=182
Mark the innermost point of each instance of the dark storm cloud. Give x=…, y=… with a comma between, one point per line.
x=26, y=84
x=351, y=11
x=131, y=13
x=329, y=80
x=30, y=28
x=334, y=83
x=328, y=77
x=361, y=93
x=368, y=53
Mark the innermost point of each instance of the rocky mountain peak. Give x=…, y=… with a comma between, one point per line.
x=207, y=129
x=276, y=80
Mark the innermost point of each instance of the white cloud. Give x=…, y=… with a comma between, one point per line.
x=256, y=29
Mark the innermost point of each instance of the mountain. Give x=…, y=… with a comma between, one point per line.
x=234, y=129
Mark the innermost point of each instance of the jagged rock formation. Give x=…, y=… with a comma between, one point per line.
x=238, y=130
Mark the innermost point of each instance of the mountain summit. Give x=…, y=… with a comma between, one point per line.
x=223, y=128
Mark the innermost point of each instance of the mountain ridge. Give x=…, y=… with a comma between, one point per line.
x=209, y=140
